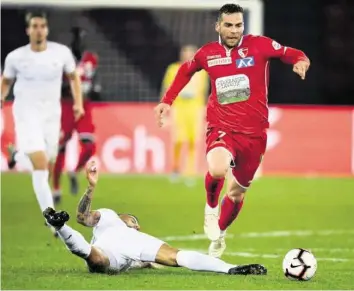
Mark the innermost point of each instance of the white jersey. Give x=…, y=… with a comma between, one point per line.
x=125, y=247
x=37, y=91
x=39, y=75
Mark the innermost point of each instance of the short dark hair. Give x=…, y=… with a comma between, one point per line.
x=35, y=14
x=137, y=220
x=229, y=9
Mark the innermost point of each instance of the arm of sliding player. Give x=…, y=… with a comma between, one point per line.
x=84, y=214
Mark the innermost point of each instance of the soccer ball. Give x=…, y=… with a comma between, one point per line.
x=299, y=264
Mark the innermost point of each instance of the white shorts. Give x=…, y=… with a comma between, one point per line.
x=130, y=247
x=142, y=247
x=37, y=132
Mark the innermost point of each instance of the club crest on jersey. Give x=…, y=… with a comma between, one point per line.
x=245, y=62
x=243, y=52
x=220, y=62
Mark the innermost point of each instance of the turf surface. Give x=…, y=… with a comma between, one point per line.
x=279, y=214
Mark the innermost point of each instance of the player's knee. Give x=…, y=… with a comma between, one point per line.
x=236, y=194
x=89, y=144
x=218, y=171
x=39, y=160
x=218, y=162
x=167, y=256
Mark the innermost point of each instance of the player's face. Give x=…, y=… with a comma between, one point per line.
x=37, y=30
x=187, y=53
x=230, y=28
x=132, y=222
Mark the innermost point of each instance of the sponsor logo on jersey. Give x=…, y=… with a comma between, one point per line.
x=220, y=62
x=276, y=45
x=243, y=52
x=245, y=62
x=213, y=57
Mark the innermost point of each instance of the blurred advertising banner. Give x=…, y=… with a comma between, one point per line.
x=302, y=140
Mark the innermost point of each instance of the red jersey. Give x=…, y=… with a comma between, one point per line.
x=86, y=68
x=239, y=80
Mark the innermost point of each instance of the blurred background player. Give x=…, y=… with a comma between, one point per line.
x=187, y=115
x=87, y=63
x=38, y=69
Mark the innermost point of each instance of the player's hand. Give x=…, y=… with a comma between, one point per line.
x=300, y=68
x=78, y=111
x=161, y=111
x=92, y=173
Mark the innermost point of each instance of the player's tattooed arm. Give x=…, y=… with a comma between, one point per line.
x=84, y=214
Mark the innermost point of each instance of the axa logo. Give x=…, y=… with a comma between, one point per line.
x=245, y=62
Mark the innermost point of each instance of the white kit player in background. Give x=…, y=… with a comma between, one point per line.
x=37, y=70
x=118, y=245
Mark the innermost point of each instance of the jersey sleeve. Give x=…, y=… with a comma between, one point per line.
x=108, y=217
x=9, y=67
x=272, y=49
x=69, y=61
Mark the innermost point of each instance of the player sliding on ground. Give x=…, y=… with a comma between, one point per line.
x=118, y=245
x=237, y=112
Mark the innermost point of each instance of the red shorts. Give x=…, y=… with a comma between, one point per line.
x=246, y=152
x=84, y=126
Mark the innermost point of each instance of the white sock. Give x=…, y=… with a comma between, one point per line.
x=23, y=161
x=199, y=262
x=42, y=189
x=210, y=210
x=74, y=241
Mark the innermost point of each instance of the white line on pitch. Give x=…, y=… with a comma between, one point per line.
x=281, y=233
x=327, y=250
x=272, y=256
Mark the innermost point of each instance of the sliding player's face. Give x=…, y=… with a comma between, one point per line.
x=230, y=28
x=131, y=221
x=37, y=30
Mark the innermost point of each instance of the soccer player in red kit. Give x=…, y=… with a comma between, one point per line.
x=87, y=63
x=237, y=113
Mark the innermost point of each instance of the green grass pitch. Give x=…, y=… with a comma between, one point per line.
x=279, y=214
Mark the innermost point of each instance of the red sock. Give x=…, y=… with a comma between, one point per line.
x=87, y=151
x=213, y=187
x=229, y=212
x=58, y=169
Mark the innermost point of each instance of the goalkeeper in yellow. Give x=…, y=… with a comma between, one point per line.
x=187, y=118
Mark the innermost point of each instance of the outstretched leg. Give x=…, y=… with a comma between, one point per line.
x=196, y=261
x=75, y=241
